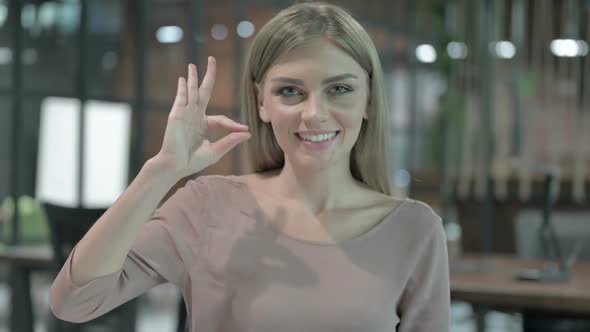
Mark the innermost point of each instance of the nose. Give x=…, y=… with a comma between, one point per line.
x=314, y=111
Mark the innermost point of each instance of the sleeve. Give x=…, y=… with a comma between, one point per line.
x=166, y=243
x=425, y=302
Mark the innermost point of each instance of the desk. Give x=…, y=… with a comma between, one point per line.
x=489, y=281
x=22, y=260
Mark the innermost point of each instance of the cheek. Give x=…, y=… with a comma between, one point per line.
x=353, y=127
x=282, y=116
x=354, y=103
x=283, y=119
x=350, y=114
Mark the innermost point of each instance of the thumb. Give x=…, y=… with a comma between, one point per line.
x=225, y=144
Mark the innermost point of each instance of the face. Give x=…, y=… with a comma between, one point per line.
x=311, y=94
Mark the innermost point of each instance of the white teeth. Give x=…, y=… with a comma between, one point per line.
x=317, y=138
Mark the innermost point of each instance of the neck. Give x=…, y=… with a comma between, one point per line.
x=317, y=189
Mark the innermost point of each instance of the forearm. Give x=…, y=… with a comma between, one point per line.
x=103, y=249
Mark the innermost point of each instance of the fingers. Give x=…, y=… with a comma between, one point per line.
x=208, y=83
x=197, y=98
x=181, y=92
x=223, y=122
x=193, y=86
x=224, y=145
x=188, y=90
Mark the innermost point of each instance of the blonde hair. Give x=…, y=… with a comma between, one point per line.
x=297, y=26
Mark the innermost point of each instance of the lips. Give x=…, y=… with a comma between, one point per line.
x=322, y=133
x=317, y=132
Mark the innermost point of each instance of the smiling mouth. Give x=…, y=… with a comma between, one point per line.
x=324, y=138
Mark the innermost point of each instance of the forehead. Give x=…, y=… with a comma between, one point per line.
x=316, y=60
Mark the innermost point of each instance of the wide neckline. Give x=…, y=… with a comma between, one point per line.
x=267, y=223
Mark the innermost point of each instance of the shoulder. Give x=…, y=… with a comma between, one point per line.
x=228, y=203
x=423, y=239
x=422, y=211
x=420, y=220
x=202, y=191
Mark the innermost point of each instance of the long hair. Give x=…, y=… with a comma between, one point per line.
x=295, y=27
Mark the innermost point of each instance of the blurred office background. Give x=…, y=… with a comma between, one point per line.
x=490, y=104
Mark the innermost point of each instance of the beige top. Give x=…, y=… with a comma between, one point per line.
x=237, y=272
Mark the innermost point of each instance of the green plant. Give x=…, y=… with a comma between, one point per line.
x=34, y=226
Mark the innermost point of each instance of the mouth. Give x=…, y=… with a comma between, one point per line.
x=318, y=138
x=318, y=142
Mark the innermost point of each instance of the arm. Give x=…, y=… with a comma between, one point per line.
x=104, y=270
x=160, y=253
x=425, y=303
x=120, y=226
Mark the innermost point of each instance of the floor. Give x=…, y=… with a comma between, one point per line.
x=157, y=311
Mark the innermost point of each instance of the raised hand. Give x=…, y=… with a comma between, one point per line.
x=185, y=149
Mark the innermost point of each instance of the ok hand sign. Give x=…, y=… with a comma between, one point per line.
x=185, y=149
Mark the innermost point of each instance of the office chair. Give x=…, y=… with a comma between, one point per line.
x=67, y=226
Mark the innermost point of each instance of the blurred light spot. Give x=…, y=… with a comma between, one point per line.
x=457, y=50
x=503, y=49
x=69, y=16
x=219, y=31
x=401, y=178
x=169, y=34
x=453, y=231
x=426, y=53
x=48, y=14
x=245, y=29
x=3, y=14
x=27, y=16
x=568, y=48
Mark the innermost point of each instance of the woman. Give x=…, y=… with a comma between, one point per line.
x=313, y=241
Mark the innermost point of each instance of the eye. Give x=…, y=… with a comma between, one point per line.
x=340, y=89
x=288, y=91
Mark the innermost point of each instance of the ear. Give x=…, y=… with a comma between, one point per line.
x=264, y=116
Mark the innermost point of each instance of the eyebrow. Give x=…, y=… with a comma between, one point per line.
x=326, y=81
